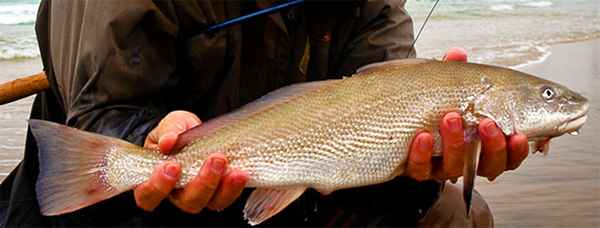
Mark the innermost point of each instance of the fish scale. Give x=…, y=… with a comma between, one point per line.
x=325, y=135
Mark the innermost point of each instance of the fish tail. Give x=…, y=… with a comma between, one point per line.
x=73, y=167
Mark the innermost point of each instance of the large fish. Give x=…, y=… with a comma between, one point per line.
x=326, y=135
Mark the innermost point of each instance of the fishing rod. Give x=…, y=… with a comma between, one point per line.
x=29, y=85
x=412, y=45
x=244, y=18
x=23, y=87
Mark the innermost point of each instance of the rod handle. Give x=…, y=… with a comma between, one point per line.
x=23, y=87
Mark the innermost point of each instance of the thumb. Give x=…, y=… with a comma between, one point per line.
x=456, y=54
x=167, y=141
x=166, y=133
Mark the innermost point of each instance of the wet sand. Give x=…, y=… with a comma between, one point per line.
x=13, y=116
x=561, y=189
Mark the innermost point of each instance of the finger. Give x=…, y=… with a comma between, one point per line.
x=149, y=194
x=166, y=142
x=419, y=157
x=165, y=135
x=229, y=190
x=453, y=141
x=493, y=155
x=456, y=54
x=199, y=191
x=518, y=150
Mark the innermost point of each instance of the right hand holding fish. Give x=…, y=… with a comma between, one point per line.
x=212, y=188
x=499, y=154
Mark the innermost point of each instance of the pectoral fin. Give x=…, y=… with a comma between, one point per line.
x=263, y=203
x=473, y=150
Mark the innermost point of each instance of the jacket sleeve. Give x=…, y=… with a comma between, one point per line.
x=113, y=64
x=382, y=31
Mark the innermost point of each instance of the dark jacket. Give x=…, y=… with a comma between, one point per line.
x=117, y=67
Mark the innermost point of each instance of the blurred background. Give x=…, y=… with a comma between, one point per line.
x=556, y=39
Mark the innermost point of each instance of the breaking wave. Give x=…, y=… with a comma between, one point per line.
x=538, y=4
x=502, y=7
x=18, y=14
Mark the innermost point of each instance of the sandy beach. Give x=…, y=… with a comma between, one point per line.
x=13, y=116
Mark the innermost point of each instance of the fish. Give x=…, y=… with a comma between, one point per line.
x=325, y=135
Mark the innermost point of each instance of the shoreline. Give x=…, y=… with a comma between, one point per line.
x=28, y=65
x=18, y=68
x=14, y=115
x=548, y=52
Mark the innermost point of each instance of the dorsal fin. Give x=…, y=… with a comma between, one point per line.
x=272, y=99
x=391, y=64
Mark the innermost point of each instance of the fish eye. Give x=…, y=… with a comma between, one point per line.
x=548, y=93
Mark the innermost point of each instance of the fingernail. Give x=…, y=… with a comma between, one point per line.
x=490, y=129
x=172, y=171
x=217, y=165
x=424, y=144
x=162, y=139
x=454, y=124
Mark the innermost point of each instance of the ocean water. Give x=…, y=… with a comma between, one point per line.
x=17, y=35
x=504, y=32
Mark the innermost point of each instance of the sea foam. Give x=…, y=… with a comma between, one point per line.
x=18, y=14
x=502, y=7
x=538, y=4
x=26, y=48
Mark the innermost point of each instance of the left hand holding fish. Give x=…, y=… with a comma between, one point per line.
x=211, y=188
x=500, y=153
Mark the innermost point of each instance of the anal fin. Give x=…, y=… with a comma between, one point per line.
x=263, y=203
x=472, y=152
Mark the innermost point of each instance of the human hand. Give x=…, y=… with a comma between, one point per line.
x=498, y=152
x=212, y=187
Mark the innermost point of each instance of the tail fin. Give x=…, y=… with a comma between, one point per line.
x=72, y=167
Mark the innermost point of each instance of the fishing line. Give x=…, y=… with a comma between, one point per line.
x=412, y=46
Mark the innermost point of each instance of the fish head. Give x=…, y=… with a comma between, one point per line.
x=549, y=109
x=525, y=104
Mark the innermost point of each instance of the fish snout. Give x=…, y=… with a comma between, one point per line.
x=575, y=123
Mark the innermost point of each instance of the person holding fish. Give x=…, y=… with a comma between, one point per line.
x=129, y=69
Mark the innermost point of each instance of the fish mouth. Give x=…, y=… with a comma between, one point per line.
x=573, y=125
